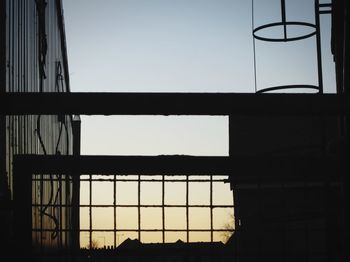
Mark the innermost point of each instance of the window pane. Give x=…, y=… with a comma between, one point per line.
x=223, y=218
x=84, y=239
x=175, y=193
x=199, y=236
x=124, y=235
x=151, y=237
x=222, y=236
x=222, y=194
x=151, y=193
x=84, y=218
x=127, y=193
x=173, y=237
x=102, y=193
x=199, y=218
x=127, y=218
x=102, y=218
x=84, y=193
x=151, y=218
x=103, y=239
x=199, y=193
x=175, y=218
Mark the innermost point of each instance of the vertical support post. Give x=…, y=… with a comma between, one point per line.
x=115, y=210
x=90, y=211
x=231, y=154
x=76, y=128
x=318, y=47
x=344, y=256
x=61, y=210
x=22, y=200
x=283, y=17
x=5, y=194
x=3, y=175
x=234, y=194
x=211, y=209
x=163, y=211
x=138, y=207
x=41, y=190
x=254, y=49
x=187, y=213
x=3, y=46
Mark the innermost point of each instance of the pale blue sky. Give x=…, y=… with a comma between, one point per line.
x=159, y=45
x=178, y=46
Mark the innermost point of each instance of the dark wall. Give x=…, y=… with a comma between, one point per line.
x=280, y=219
x=341, y=43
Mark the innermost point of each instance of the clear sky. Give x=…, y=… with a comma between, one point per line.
x=180, y=46
x=159, y=45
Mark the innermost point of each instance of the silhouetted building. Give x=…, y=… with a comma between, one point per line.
x=33, y=58
x=287, y=167
x=291, y=206
x=133, y=250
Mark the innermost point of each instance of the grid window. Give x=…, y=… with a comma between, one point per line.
x=155, y=209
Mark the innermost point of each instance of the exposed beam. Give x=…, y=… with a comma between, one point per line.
x=172, y=104
x=240, y=169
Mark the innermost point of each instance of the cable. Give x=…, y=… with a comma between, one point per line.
x=56, y=221
x=41, y=6
x=43, y=47
x=38, y=128
x=59, y=139
x=67, y=138
x=254, y=51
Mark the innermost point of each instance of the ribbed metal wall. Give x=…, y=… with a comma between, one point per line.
x=36, y=62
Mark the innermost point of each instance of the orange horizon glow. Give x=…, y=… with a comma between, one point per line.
x=151, y=216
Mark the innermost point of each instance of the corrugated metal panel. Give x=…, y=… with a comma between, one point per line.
x=36, y=61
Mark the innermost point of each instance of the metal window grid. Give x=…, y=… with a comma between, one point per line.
x=116, y=180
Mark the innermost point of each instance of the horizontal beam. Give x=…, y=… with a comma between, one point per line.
x=127, y=165
x=239, y=169
x=172, y=104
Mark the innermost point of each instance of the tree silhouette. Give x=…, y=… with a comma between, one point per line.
x=229, y=225
x=93, y=245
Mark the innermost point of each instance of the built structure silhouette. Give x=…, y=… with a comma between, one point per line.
x=288, y=179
